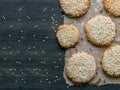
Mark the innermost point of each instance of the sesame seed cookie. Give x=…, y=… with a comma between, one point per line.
x=111, y=61
x=68, y=35
x=81, y=68
x=112, y=6
x=100, y=30
x=74, y=8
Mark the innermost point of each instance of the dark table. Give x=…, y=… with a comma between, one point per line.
x=30, y=57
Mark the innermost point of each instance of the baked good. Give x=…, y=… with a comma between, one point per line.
x=68, y=35
x=100, y=30
x=112, y=6
x=74, y=8
x=111, y=61
x=81, y=68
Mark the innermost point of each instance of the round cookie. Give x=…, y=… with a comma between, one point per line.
x=100, y=30
x=112, y=6
x=81, y=68
x=68, y=35
x=74, y=8
x=111, y=61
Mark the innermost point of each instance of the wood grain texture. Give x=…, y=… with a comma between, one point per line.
x=30, y=57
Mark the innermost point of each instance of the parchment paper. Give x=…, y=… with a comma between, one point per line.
x=96, y=8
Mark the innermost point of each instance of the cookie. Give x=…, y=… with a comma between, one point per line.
x=68, y=35
x=74, y=8
x=111, y=61
x=100, y=30
x=80, y=68
x=112, y=6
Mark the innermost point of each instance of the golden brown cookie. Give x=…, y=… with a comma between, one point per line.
x=68, y=35
x=100, y=30
x=112, y=6
x=74, y=8
x=80, y=68
x=111, y=61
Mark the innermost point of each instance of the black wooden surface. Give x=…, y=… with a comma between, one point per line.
x=30, y=57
